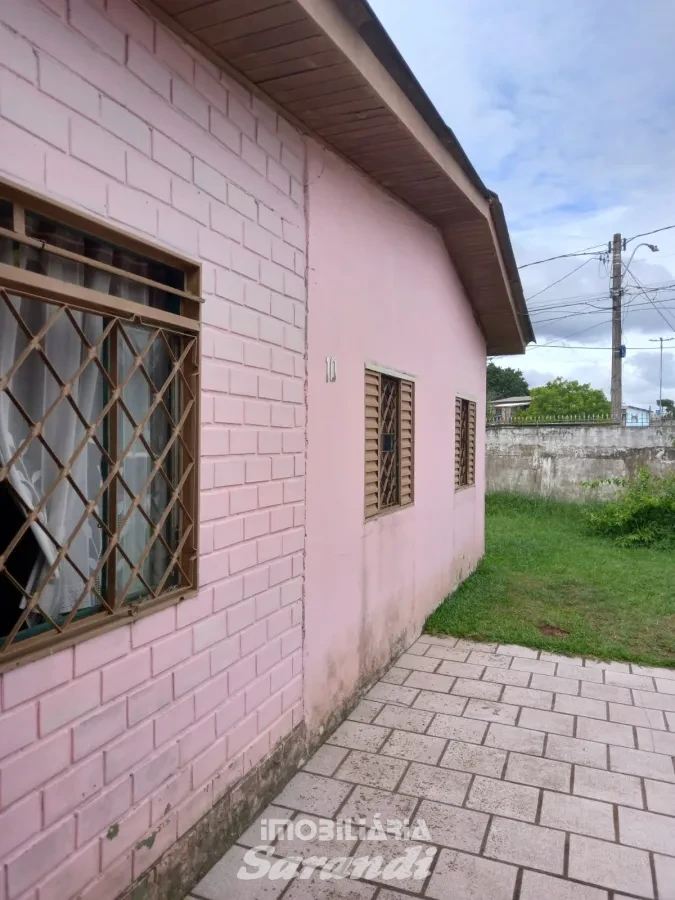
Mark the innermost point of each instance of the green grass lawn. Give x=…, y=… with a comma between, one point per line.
x=547, y=583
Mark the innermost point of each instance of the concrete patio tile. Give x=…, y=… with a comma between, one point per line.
x=607, y=664
x=526, y=845
x=544, y=773
x=633, y=715
x=403, y=717
x=535, y=886
x=458, y=728
x=440, y=703
x=665, y=685
x=652, y=671
x=623, y=679
x=392, y=693
x=515, y=650
x=395, y=676
x=463, y=877
x=605, y=732
x=572, y=670
x=656, y=741
x=508, y=737
x=313, y=794
x=326, y=760
x=365, y=711
x=453, y=654
x=435, y=784
x=420, y=747
x=556, y=684
x=359, y=736
x=372, y=769
x=222, y=883
x=573, y=750
x=491, y=712
x=421, y=663
x=540, y=720
x=670, y=718
x=442, y=640
x=506, y=676
x=608, y=786
x=606, y=692
x=450, y=826
x=516, y=801
x=254, y=835
x=474, y=758
x=429, y=682
x=481, y=658
x=307, y=840
x=391, y=851
x=610, y=865
x=660, y=797
x=654, y=700
x=580, y=706
x=647, y=830
x=484, y=690
x=316, y=889
x=484, y=646
x=460, y=669
x=537, y=666
x=665, y=876
x=578, y=815
x=367, y=802
x=419, y=648
x=528, y=697
x=640, y=762
x=561, y=658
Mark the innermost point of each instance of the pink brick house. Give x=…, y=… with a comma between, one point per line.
x=247, y=213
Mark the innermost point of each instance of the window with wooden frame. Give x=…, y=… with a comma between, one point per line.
x=390, y=440
x=99, y=425
x=465, y=443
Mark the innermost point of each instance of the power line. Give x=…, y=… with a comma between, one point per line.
x=553, y=283
x=651, y=300
x=647, y=233
x=561, y=256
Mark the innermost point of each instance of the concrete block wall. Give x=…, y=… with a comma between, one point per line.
x=114, y=748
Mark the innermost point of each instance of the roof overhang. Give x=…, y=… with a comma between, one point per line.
x=333, y=71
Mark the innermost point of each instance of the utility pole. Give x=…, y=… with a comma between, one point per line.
x=661, y=341
x=616, y=329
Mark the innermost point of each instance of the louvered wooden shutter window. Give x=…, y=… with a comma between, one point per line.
x=465, y=442
x=389, y=435
x=471, y=448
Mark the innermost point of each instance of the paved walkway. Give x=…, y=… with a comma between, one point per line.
x=526, y=776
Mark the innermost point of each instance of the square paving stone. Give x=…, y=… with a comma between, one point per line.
x=484, y=646
x=313, y=794
x=308, y=838
x=580, y=706
x=507, y=737
x=453, y=654
x=544, y=773
x=392, y=693
x=405, y=718
x=573, y=750
x=665, y=876
x=579, y=815
x=503, y=798
x=610, y=865
x=647, y=830
x=484, y=690
x=435, y=784
x=536, y=886
x=556, y=684
x=608, y=786
x=473, y=758
x=665, y=685
x=506, y=676
x=395, y=675
x=365, y=711
x=660, y=797
x=528, y=697
x=451, y=826
x=326, y=760
x=419, y=648
x=420, y=747
x=640, y=762
x=606, y=732
x=491, y=712
x=440, y=703
x=460, y=670
x=606, y=692
x=622, y=679
x=536, y=666
x=222, y=882
x=392, y=851
x=258, y=834
x=526, y=845
x=517, y=651
x=540, y=720
x=429, y=682
x=421, y=663
x=652, y=700
x=606, y=664
x=633, y=715
x=367, y=802
x=656, y=741
x=480, y=658
x=372, y=769
x=317, y=889
x=458, y=876
x=359, y=736
x=651, y=670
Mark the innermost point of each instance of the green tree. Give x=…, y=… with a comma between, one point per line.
x=668, y=407
x=505, y=382
x=567, y=398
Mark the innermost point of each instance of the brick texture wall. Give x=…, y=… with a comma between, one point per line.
x=136, y=733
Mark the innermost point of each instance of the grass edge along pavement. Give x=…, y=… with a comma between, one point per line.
x=547, y=583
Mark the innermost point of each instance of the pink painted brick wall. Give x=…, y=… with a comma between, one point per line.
x=142, y=727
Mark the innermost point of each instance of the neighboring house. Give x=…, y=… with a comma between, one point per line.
x=251, y=216
x=504, y=410
x=636, y=416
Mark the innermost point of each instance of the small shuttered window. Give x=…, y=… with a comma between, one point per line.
x=390, y=430
x=465, y=442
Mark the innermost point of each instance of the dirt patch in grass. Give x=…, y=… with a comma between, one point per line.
x=552, y=631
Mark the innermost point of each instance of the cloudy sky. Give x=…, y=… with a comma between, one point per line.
x=567, y=111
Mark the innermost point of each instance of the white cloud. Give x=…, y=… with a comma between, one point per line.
x=565, y=111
